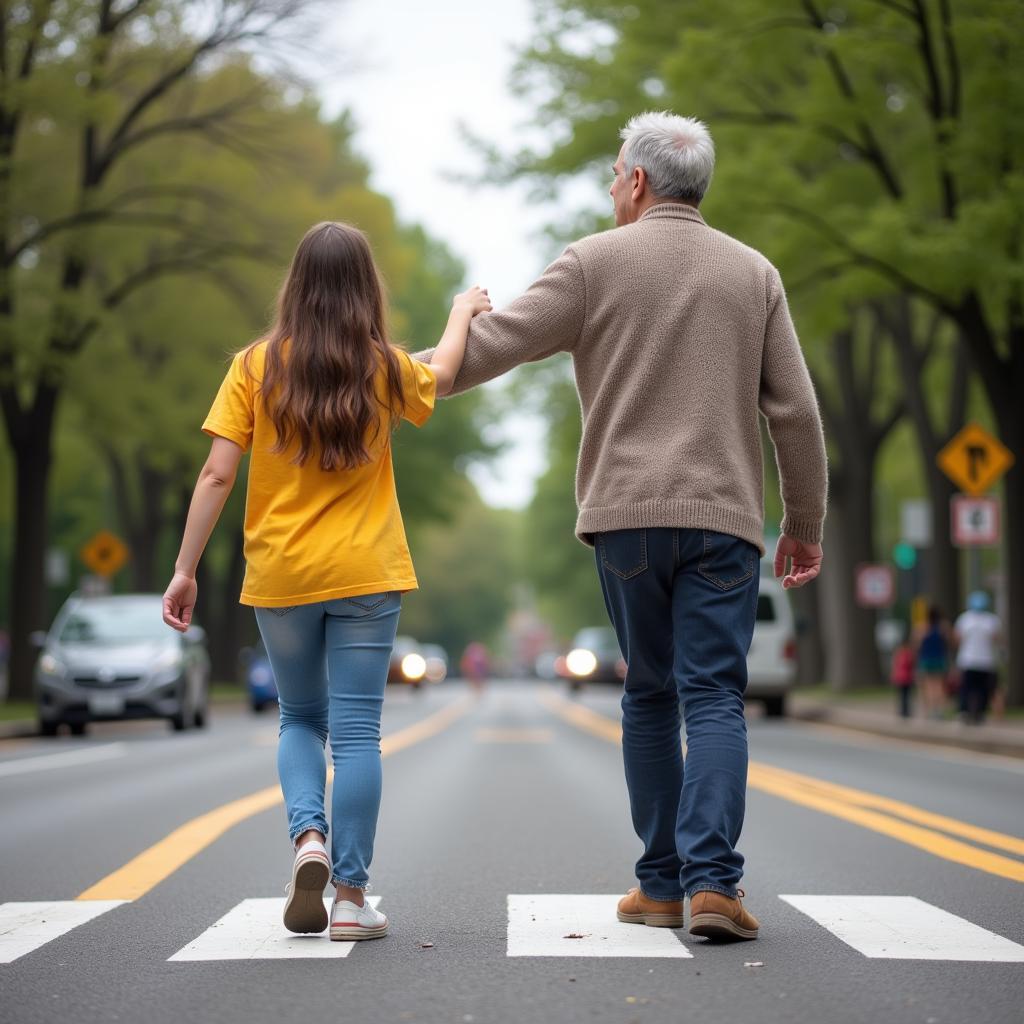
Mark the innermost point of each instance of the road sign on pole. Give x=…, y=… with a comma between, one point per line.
x=974, y=522
x=104, y=554
x=974, y=460
x=876, y=586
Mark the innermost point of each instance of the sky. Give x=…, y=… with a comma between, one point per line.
x=412, y=73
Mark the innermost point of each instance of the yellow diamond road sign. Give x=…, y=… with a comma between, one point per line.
x=104, y=554
x=974, y=460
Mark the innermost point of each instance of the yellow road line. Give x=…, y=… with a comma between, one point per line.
x=986, y=837
x=162, y=859
x=513, y=736
x=913, y=835
x=844, y=802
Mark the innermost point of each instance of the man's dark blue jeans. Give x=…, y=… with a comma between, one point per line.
x=683, y=604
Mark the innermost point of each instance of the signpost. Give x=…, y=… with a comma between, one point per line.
x=974, y=522
x=104, y=554
x=975, y=460
x=876, y=586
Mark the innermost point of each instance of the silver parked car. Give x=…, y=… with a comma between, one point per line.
x=112, y=657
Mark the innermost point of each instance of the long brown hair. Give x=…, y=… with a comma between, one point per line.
x=322, y=390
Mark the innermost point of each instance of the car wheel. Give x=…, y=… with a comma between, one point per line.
x=775, y=707
x=48, y=728
x=77, y=728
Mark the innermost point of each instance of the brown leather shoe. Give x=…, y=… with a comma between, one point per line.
x=636, y=908
x=717, y=916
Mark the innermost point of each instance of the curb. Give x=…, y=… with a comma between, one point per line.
x=28, y=728
x=970, y=738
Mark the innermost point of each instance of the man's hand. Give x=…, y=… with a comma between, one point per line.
x=806, y=561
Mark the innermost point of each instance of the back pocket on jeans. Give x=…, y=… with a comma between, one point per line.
x=727, y=561
x=624, y=552
x=366, y=603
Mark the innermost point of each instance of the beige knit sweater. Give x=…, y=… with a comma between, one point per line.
x=679, y=335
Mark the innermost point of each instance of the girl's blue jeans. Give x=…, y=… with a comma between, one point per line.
x=330, y=662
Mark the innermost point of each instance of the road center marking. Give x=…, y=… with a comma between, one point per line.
x=134, y=879
x=869, y=810
x=253, y=931
x=583, y=926
x=905, y=928
x=25, y=927
x=513, y=736
x=65, y=759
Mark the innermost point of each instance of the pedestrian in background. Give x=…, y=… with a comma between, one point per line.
x=327, y=561
x=902, y=674
x=933, y=662
x=679, y=336
x=977, y=633
x=474, y=665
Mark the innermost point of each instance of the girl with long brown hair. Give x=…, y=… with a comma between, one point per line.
x=326, y=554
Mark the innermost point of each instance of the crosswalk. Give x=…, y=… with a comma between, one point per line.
x=548, y=925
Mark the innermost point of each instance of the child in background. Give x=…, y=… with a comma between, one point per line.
x=901, y=675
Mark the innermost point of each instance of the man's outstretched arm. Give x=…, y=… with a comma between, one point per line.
x=789, y=405
x=547, y=318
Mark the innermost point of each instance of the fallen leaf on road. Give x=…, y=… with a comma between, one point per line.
x=573, y=935
x=426, y=945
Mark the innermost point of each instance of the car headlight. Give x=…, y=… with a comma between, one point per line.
x=50, y=666
x=581, y=662
x=414, y=667
x=168, y=658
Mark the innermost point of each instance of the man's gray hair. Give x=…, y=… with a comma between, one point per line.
x=676, y=153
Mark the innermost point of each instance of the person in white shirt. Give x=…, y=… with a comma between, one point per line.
x=977, y=636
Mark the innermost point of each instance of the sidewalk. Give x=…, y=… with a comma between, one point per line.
x=877, y=715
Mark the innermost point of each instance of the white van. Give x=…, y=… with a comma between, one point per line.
x=771, y=663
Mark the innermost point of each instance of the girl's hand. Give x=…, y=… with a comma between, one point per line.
x=179, y=600
x=475, y=299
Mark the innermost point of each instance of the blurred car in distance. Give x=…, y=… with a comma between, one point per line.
x=408, y=665
x=594, y=657
x=436, y=659
x=260, y=686
x=110, y=657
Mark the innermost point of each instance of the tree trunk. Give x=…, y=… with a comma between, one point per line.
x=1012, y=430
x=851, y=653
x=32, y=455
x=810, y=650
x=235, y=619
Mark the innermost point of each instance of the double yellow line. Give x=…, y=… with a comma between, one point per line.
x=936, y=834
x=162, y=859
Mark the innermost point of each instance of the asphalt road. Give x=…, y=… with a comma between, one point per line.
x=518, y=794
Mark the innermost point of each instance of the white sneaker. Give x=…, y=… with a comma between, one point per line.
x=304, y=910
x=350, y=923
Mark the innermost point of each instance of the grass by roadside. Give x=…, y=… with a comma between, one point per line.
x=17, y=711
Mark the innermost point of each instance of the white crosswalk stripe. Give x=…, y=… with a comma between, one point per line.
x=905, y=928
x=547, y=925
x=25, y=927
x=582, y=926
x=253, y=931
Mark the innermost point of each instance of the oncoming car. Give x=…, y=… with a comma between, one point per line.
x=594, y=657
x=408, y=665
x=111, y=657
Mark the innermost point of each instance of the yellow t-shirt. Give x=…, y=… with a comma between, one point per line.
x=312, y=535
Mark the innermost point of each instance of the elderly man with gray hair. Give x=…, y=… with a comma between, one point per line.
x=679, y=337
